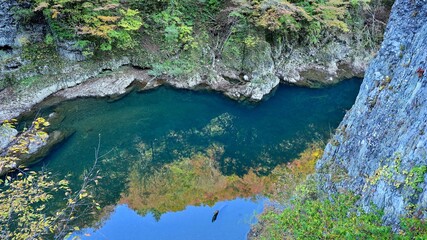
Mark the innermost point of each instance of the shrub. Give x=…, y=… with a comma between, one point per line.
x=104, y=23
x=337, y=218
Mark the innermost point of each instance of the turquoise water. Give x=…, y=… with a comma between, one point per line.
x=164, y=125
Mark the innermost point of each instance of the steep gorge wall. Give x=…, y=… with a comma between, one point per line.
x=379, y=151
x=33, y=71
x=8, y=25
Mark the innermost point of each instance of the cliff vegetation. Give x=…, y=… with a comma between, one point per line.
x=374, y=167
x=243, y=48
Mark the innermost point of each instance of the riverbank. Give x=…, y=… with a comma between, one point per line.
x=112, y=77
x=242, y=61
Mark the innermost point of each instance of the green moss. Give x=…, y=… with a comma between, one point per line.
x=232, y=54
x=415, y=177
x=392, y=173
x=182, y=65
x=7, y=81
x=40, y=53
x=28, y=81
x=174, y=68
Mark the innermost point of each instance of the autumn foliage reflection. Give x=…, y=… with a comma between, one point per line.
x=197, y=180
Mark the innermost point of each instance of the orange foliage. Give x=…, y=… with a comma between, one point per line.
x=108, y=18
x=99, y=31
x=286, y=179
x=197, y=180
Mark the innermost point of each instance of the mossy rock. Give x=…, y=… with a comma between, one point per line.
x=257, y=59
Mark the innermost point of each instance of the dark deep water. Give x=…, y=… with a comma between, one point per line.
x=142, y=132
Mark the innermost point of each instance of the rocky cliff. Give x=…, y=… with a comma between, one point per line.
x=35, y=69
x=8, y=25
x=379, y=151
x=260, y=73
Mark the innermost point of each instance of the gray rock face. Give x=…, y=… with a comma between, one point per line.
x=380, y=149
x=328, y=63
x=8, y=25
x=13, y=103
x=6, y=136
x=115, y=83
x=250, y=74
x=37, y=148
x=70, y=51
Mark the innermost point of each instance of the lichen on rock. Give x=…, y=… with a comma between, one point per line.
x=387, y=120
x=8, y=25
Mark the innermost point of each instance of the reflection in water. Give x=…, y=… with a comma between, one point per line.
x=198, y=181
x=169, y=149
x=189, y=181
x=233, y=222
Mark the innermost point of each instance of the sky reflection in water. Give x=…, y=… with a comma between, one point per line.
x=194, y=222
x=253, y=137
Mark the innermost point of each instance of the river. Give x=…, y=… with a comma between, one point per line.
x=170, y=158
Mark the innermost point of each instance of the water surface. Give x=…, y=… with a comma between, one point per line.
x=193, y=223
x=177, y=133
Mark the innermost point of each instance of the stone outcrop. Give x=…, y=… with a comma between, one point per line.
x=259, y=74
x=114, y=83
x=327, y=64
x=69, y=50
x=13, y=102
x=7, y=135
x=8, y=25
x=379, y=151
x=249, y=74
x=37, y=148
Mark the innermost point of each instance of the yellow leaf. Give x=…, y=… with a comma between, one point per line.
x=108, y=18
x=82, y=195
x=41, y=6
